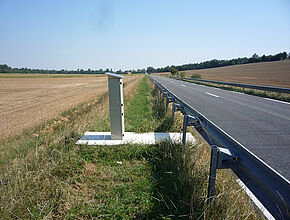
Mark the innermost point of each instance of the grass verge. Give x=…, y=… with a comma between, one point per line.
x=47, y=176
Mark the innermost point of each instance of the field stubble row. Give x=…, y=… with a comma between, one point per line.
x=26, y=102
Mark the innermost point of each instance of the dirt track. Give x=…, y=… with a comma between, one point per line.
x=25, y=102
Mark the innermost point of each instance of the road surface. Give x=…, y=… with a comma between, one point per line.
x=261, y=125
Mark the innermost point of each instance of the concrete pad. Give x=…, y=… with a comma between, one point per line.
x=104, y=138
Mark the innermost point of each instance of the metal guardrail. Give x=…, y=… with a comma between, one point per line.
x=269, y=187
x=249, y=86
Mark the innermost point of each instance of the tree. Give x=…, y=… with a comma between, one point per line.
x=284, y=56
x=255, y=56
x=150, y=70
x=4, y=68
x=173, y=71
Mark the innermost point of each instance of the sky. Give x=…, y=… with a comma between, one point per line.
x=131, y=34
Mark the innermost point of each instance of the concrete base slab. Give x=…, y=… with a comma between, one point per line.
x=104, y=138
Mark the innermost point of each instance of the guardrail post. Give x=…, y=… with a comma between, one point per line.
x=168, y=100
x=185, y=120
x=164, y=94
x=188, y=120
x=173, y=111
x=212, y=173
x=221, y=158
x=175, y=107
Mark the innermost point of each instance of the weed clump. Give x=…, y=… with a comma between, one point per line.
x=196, y=76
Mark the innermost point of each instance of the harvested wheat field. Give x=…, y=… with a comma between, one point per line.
x=266, y=73
x=26, y=102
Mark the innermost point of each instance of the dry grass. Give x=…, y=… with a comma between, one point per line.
x=44, y=175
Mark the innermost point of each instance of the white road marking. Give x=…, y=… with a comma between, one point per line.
x=274, y=100
x=171, y=81
x=255, y=200
x=183, y=85
x=212, y=94
x=238, y=92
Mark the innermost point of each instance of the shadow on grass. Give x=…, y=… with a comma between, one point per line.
x=178, y=186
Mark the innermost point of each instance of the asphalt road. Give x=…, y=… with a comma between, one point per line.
x=261, y=125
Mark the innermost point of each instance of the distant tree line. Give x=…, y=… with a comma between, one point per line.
x=4, y=68
x=219, y=63
x=138, y=71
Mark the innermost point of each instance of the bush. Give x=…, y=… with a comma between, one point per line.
x=182, y=74
x=196, y=76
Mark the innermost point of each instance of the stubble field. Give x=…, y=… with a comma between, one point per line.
x=267, y=73
x=25, y=102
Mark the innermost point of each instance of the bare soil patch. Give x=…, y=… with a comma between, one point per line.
x=25, y=102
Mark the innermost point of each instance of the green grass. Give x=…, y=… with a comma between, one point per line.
x=107, y=188
x=138, y=114
x=45, y=175
x=145, y=113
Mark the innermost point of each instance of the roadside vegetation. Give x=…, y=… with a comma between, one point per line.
x=196, y=76
x=45, y=175
x=175, y=72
